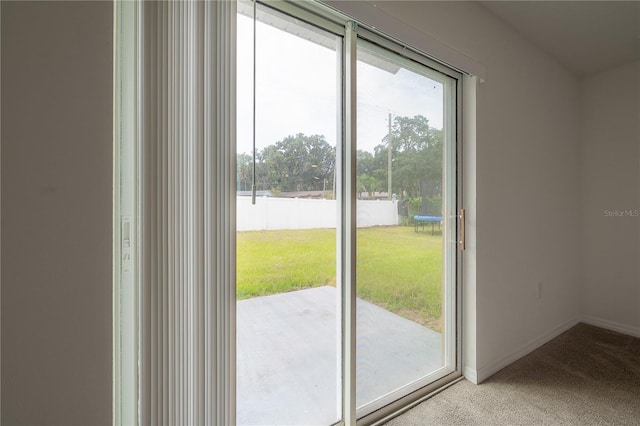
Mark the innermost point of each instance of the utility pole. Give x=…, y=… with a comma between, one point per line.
x=389, y=161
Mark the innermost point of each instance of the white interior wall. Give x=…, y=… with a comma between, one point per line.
x=56, y=213
x=527, y=181
x=610, y=198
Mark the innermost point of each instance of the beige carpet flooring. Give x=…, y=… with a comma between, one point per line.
x=586, y=376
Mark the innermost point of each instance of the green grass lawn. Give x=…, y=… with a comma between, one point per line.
x=397, y=269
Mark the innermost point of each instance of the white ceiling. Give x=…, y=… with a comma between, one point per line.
x=585, y=36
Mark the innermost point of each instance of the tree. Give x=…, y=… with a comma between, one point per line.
x=366, y=179
x=244, y=172
x=416, y=155
x=296, y=163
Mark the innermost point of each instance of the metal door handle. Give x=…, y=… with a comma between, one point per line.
x=462, y=234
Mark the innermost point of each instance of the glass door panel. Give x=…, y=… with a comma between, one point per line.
x=288, y=307
x=406, y=226
x=289, y=145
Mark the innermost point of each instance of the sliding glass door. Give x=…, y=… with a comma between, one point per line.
x=405, y=268
x=338, y=278
x=341, y=311
x=288, y=304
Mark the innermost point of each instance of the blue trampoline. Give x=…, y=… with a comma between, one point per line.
x=422, y=220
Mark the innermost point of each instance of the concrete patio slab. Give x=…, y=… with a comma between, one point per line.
x=288, y=354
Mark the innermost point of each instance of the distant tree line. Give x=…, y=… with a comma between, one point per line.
x=307, y=163
x=296, y=163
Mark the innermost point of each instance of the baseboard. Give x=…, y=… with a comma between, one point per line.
x=612, y=325
x=485, y=372
x=471, y=374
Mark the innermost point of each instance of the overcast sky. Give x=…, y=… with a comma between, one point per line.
x=297, y=91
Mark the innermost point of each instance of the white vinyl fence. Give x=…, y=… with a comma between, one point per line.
x=270, y=213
